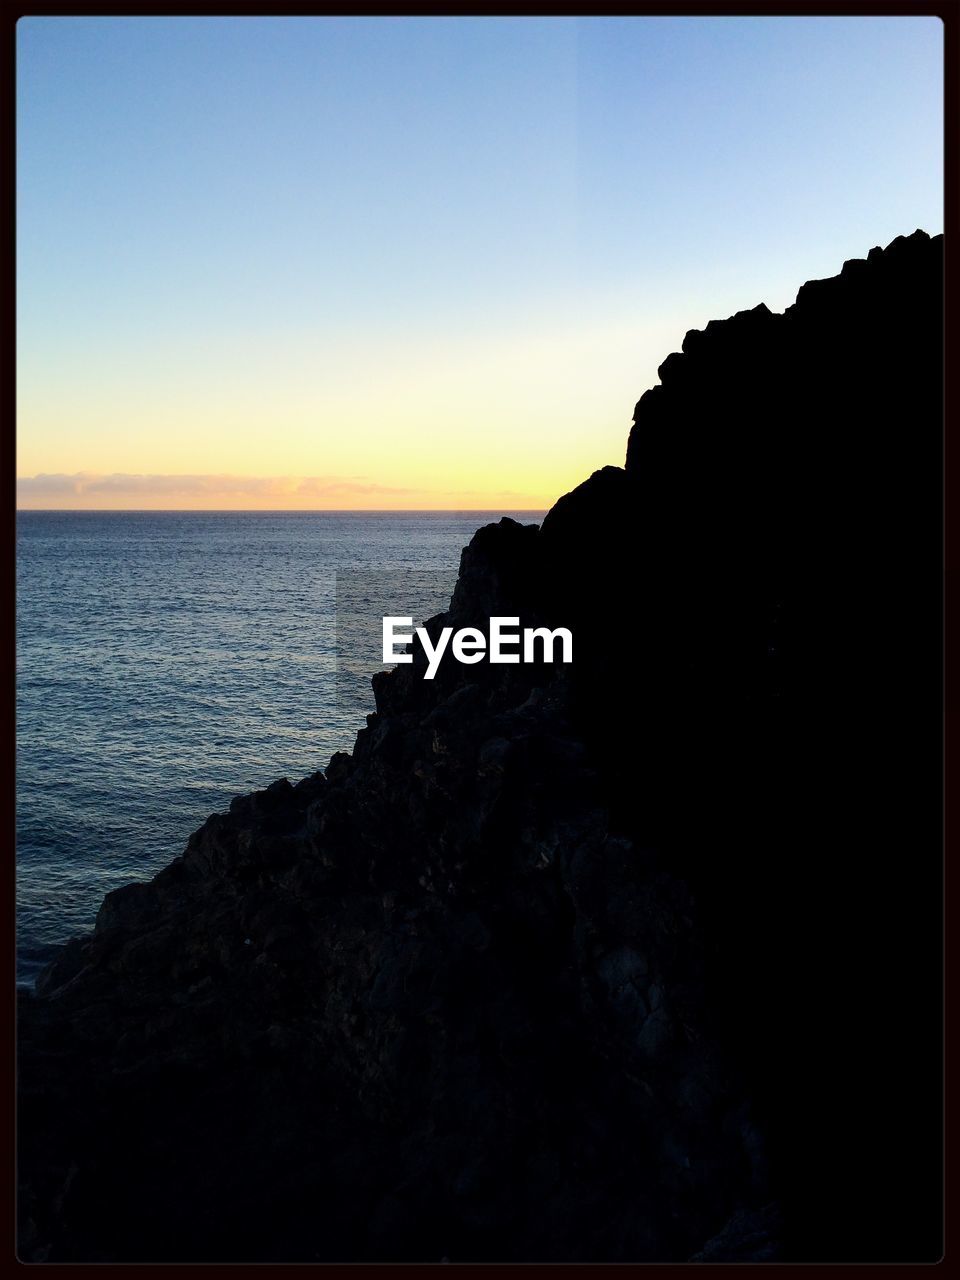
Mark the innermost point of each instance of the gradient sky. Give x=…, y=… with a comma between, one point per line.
x=423, y=263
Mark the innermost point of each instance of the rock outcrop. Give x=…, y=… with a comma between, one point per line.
x=633, y=960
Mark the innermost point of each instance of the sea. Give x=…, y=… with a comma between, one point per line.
x=168, y=661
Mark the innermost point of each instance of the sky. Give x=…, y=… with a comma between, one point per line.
x=322, y=263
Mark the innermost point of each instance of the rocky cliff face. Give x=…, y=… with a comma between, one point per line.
x=632, y=960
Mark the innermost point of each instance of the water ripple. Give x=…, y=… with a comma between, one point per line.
x=165, y=663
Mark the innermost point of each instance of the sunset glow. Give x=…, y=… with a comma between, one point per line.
x=429, y=264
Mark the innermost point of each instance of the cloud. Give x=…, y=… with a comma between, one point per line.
x=122, y=486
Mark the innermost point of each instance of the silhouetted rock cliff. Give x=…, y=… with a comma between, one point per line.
x=631, y=960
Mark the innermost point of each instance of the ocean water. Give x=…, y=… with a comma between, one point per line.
x=169, y=661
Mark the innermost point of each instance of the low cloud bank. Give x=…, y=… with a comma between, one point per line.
x=84, y=487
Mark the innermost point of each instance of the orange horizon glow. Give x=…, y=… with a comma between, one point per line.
x=88, y=491
x=286, y=511
x=547, y=403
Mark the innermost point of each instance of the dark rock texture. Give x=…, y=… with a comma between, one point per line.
x=633, y=960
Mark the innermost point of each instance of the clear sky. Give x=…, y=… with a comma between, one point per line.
x=422, y=263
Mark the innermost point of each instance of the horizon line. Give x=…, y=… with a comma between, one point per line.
x=265, y=511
